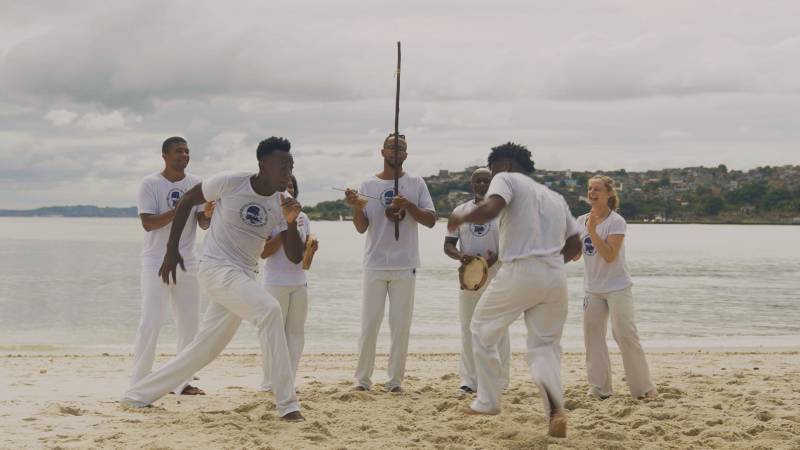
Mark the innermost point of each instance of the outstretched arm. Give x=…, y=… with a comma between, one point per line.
x=485, y=212
x=172, y=258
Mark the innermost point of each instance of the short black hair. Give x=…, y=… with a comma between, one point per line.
x=296, y=189
x=271, y=144
x=173, y=140
x=515, y=152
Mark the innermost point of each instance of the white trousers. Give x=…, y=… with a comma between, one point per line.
x=399, y=286
x=467, y=300
x=156, y=297
x=294, y=308
x=539, y=291
x=596, y=310
x=234, y=295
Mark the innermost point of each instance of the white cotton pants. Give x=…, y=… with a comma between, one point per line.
x=539, y=291
x=156, y=297
x=467, y=300
x=399, y=286
x=234, y=295
x=596, y=310
x=294, y=307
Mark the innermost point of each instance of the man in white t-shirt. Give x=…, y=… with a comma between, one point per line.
x=158, y=195
x=537, y=236
x=474, y=240
x=390, y=265
x=248, y=207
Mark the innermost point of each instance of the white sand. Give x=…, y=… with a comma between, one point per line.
x=709, y=400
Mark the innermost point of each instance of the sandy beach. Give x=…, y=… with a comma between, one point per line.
x=709, y=399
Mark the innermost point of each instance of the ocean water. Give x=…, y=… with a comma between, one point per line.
x=73, y=283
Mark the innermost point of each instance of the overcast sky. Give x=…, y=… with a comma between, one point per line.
x=89, y=90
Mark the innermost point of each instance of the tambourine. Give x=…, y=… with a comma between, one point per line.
x=473, y=275
x=308, y=254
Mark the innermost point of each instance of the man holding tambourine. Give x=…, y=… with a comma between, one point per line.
x=477, y=250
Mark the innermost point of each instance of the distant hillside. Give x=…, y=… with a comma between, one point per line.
x=70, y=211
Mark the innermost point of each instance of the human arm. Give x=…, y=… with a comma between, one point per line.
x=572, y=249
x=452, y=251
x=293, y=245
x=608, y=248
x=172, y=258
x=272, y=245
x=152, y=222
x=204, y=216
x=357, y=204
x=486, y=211
x=423, y=216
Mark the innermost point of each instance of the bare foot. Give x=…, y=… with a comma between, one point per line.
x=191, y=390
x=293, y=416
x=651, y=394
x=558, y=425
x=471, y=412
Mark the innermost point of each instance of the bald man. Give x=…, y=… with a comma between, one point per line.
x=464, y=244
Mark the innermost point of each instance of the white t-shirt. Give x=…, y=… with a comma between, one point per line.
x=158, y=195
x=476, y=239
x=535, y=222
x=381, y=250
x=602, y=277
x=242, y=221
x=278, y=270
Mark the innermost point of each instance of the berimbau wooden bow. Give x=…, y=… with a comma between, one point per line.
x=396, y=143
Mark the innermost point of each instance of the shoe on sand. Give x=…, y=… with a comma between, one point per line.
x=471, y=412
x=293, y=416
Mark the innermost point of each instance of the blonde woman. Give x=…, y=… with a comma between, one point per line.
x=607, y=283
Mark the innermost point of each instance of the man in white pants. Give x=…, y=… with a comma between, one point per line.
x=390, y=265
x=158, y=195
x=248, y=207
x=475, y=240
x=537, y=236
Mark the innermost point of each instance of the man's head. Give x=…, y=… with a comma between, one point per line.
x=480, y=180
x=275, y=161
x=175, y=152
x=389, y=150
x=510, y=157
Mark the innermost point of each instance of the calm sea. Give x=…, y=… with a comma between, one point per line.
x=74, y=283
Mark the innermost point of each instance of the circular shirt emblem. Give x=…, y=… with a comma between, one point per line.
x=588, y=246
x=173, y=197
x=387, y=196
x=253, y=214
x=480, y=230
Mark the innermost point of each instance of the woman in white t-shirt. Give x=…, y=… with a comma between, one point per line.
x=286, y=281
x=607, y=283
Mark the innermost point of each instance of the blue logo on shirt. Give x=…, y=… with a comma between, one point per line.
x=588, y=246
x=173, y=197
x=480, y=230
x=254, y=214
x=387, y=196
